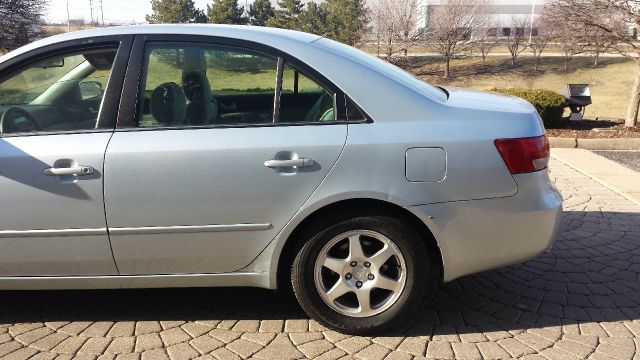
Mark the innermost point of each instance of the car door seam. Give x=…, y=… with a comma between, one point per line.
x=275, y=238
x=104, y=201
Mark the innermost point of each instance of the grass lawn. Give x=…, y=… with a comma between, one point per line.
x=610, y=82
x=229, y=81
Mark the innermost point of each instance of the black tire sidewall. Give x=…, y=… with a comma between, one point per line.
x=418, y=268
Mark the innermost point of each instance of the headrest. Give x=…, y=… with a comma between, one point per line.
x=168, y=104
x=196, y=87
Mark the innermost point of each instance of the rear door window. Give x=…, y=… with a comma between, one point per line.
x=194, y=85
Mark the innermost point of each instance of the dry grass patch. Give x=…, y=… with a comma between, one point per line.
x=610, y=82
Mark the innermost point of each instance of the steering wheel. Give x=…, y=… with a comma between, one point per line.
x=7, y=124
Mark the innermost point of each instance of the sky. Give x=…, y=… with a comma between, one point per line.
x=116, y=11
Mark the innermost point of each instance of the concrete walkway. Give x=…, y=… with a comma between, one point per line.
x=611, y=174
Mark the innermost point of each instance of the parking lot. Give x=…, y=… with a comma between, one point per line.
x=580, y=300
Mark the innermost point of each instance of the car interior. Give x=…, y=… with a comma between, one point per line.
x=65, y=93
x=57, y=94
x=188, y=93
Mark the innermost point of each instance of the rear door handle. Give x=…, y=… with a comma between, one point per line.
x=78, y=170
x=299, y=163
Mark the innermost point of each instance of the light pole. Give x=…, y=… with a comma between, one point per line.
x=533, y=9
x=91, y=8
x=68, y=18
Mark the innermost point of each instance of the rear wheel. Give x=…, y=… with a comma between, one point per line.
x=362, y=275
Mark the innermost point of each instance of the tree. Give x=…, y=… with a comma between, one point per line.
x=175, y=12
x=571, y=42
x=395, y=25
x=407, y=14
x=313, y=19
x=260, y=12
x=20, y=21
x=383, y=27
x=517, y=39
x=572, y=37
x=346, y=20
x=486, y=38
x=607, y=15
x=600, y=41
x=546, y=33
x=226, y=12
x=451, y=26
x=286, y=16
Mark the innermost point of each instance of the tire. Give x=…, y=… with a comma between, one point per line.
x=408, y=266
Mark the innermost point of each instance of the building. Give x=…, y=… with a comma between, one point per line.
x=508, y=16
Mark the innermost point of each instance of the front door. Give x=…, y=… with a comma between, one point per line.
x=209, y=173
x=52, y=148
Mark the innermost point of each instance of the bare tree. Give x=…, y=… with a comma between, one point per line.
x=406, y=15
x=546, y=32
x=601, y=41
x=395, y=26
x=606, y=15
x=485, y=39
x=451, y=26
x=384, y=27
x=20, y=21
x=516, y=40
x=572, y=42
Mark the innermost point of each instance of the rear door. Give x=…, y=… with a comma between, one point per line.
x=203, y=174
x=52, y=144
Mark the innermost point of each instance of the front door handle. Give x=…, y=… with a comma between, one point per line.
x=78, y=170
x=299, y=163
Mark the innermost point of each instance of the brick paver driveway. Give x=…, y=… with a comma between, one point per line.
x=581, y=300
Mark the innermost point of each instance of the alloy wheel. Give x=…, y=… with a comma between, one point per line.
x=360, y=273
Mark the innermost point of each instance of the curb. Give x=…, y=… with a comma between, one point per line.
x=595, y=144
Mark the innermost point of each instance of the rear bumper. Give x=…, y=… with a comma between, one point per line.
x=479, y=235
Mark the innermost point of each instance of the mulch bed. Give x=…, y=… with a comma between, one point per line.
x=594, y=129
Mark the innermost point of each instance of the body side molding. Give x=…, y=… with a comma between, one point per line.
x=133, y=230
x=187, y=229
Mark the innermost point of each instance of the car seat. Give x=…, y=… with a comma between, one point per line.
x=168, y=104
x=202, y=108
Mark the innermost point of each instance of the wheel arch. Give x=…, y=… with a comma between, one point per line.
x=344, y=209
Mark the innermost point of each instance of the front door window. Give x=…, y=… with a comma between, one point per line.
x=62, y=93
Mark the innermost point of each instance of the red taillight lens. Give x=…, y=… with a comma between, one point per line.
x=524, y=155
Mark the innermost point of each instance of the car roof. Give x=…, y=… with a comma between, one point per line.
x=243, y=32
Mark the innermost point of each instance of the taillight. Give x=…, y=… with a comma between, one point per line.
x=525, y=154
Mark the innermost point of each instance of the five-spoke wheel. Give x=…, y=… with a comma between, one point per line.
x=362, y=275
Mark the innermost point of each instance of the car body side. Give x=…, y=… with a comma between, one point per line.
x=479, y=215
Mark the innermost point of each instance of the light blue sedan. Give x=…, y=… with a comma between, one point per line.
x=200, y=155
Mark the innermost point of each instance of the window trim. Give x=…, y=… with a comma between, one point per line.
x=108, y=112
x=367, y=119
x=278, y=91
x=133, y=82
